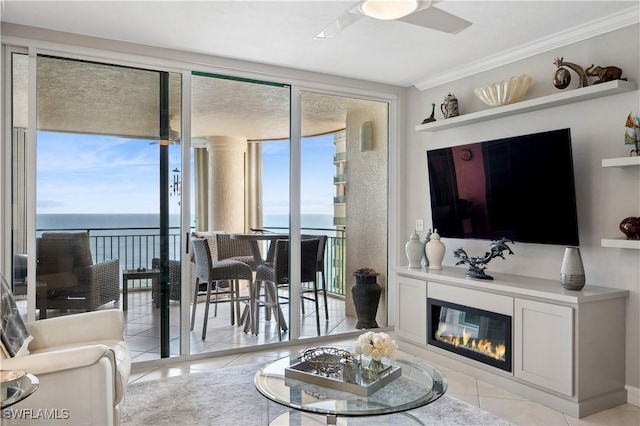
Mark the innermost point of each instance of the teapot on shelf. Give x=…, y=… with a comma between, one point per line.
x=450, y=106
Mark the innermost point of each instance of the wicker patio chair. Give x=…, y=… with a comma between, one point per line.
x=318, y=286
x=235, y=249
x=221, y=277
x=276, y=275
x=174, y=277
x=65, y=265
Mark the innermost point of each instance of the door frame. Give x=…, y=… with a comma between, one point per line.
x=298, y=81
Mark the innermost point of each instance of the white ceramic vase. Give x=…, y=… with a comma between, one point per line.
x=426, y=241
x=572, y=275
x=415, y=251
x=435, y=251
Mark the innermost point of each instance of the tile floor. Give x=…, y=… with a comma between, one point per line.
x=142, y=335
x=143, y=339
x=505, y=405
x=142, y=327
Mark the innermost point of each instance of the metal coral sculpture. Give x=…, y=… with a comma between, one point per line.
x=632, y=136
x=477, y=265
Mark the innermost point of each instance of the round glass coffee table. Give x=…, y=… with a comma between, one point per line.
x=419, y=384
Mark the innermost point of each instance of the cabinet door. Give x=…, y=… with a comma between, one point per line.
x=543, y=352
x=411, y=310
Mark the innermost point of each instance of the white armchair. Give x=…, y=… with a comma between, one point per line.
x=83, y=366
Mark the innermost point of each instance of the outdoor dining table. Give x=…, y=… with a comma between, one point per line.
x=254, y=238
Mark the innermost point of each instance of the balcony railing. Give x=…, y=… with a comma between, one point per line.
x=334, y=256
x=136, y=247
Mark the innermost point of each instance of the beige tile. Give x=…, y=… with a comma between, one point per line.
x=460, y=384
x=621, y=415
x=165, y=372
x=137, y=374
x=522, y=412
x=207, y=364
x=252, y=359
x=485, y=389
x=145, y=356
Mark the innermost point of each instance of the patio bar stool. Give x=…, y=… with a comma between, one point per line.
x=222, y=278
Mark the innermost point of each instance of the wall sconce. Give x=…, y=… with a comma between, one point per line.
x=366, y=136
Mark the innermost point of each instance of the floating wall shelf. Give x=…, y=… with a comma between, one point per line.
x=620, y=243
x=563, y=98
x=621, y=162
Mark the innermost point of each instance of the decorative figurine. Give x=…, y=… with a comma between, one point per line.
x=432, y=117
x=604, y=73
x=450, y=106
x=632, y=136
x=562, y=78
x=630, y=227
x=478, y=264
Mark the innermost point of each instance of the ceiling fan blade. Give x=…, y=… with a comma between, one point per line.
x=437, y=19
x=349, y=17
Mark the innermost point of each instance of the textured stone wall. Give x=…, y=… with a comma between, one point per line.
x=366, y=192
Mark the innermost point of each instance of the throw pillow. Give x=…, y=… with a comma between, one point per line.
x=14, y=336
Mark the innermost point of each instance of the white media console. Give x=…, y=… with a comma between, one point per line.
x=568, y=346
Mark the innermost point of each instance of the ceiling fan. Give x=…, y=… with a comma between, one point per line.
x=415, y=12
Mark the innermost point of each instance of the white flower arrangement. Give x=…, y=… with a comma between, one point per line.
x=376, y=345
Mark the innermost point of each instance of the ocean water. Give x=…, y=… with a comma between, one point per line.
x=100, y=222
x=307, y=221
x=135, y=240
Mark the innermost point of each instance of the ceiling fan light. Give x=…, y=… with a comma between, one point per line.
x=388, y=9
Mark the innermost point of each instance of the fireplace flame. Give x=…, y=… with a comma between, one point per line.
x=483, y=346
x=465, y=337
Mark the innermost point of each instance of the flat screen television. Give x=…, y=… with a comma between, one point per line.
x=520, y=188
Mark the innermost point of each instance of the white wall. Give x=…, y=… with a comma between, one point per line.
x=604, y=196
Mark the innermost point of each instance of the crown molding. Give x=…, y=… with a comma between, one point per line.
x=582, y=32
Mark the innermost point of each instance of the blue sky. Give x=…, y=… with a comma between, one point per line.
x=103, y=174
x=317, y=190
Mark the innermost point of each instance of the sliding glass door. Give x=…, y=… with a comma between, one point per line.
x=268, y=161
x=249, y=177
x=240, y=152
x=343, y=201
x=107, y=209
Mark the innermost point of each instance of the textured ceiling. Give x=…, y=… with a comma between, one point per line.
x=282, y=32
x=89, y=98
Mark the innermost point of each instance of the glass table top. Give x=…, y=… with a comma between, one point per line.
x=15, y=389
x=419, y=384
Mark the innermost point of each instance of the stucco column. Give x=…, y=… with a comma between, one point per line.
x=226, y=183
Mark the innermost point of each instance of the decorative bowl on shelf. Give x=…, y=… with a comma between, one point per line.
x=506, y=92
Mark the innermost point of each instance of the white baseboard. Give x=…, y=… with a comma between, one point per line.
x=633, y=395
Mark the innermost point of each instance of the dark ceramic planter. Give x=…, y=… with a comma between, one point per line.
x=366, y=296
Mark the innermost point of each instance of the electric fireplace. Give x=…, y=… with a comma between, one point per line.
x=474, y=333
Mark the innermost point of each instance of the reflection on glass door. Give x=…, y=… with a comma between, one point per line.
x=99, y=192
x=240, y=156
x=343, y=205
x=19, y=106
